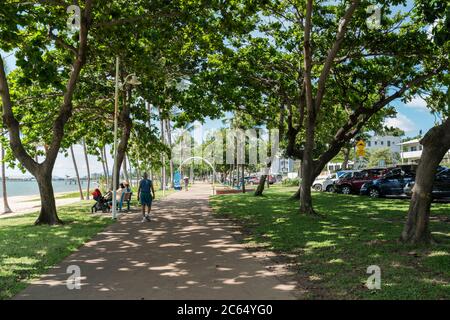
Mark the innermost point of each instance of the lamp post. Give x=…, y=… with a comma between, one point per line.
x=134, y=82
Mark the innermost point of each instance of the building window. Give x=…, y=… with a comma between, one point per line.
x=389, y=143
x=376, y=142
x=382, y=143
x=368, y=144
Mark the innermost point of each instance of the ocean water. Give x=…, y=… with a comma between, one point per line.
x=26, y=188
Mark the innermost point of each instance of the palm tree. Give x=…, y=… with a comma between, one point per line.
x=76, y=171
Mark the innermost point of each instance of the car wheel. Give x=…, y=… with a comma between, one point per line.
x=346, y=190
x=317, y=187
x=374, y=193
x=330, y=189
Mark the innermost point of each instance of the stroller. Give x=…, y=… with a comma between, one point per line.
x=102, y=205
x=102, y=202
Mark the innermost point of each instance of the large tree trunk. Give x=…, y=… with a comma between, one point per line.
x=435, y=144
x=6, y=208
x=77, y=174
x=306, y=206
x=127, y=125
x=48, y=214
x=88, y=170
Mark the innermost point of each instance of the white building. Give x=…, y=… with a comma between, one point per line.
x=378, y=142
x=282, y=166
x=412, y=151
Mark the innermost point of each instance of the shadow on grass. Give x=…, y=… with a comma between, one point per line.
x=352, y=234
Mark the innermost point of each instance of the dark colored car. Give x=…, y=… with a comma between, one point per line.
x=391, y=183
x=352, y=183
x=441, y=186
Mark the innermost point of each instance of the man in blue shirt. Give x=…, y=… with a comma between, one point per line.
x=146, y=194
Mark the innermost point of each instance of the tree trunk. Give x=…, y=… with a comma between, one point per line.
x=169, y=141
x=6, y=208
x=346, y=152
x=306, y=206
x=262, y=182
x=88, y=170
x=243, y=178
x=127, y=125
x=435, y=144
x=48, y=214
x=125, y=169
x=106, y=165
x=77, y=174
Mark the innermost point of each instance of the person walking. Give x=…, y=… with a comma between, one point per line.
x=186, y=183
x=145, y=195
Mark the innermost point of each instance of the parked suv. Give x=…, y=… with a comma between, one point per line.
x=352, y=182
x=441, y=186
x=325, y=183
x=391, y=183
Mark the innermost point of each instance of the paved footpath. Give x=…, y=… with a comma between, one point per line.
x=184, y=253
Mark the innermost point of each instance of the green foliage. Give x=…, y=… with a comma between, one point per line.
x=291, y=182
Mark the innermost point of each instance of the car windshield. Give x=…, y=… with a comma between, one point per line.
x=346, y=175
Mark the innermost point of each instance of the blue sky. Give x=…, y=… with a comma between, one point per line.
x=412, y=117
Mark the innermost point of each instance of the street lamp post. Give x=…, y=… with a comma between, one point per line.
x=134, y=82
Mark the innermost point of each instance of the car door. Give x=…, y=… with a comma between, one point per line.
x=393, y=183
x=359, y=179
x=441, y=186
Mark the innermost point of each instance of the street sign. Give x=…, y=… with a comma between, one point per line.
x=361, y=148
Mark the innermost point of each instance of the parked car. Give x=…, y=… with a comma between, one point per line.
x=325, y=183
x=441, y=186
x=391, y=183
x=252, y=180
x=343, y=172
x=255, y=180
x=352, y=182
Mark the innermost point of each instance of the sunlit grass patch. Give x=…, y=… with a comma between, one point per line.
x=352, y=233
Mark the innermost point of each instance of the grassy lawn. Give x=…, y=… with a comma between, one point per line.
x=333, y=251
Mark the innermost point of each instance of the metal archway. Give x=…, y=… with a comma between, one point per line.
x=207, y=162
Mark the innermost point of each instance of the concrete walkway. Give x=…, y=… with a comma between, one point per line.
x=184, y=253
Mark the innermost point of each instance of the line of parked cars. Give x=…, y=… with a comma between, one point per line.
x=381, y=182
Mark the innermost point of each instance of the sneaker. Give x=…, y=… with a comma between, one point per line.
x=144, y=219
x=147, y=217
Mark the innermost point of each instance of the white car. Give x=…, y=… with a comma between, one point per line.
x=325, y=183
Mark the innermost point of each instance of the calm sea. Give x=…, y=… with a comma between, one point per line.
x=26, y=188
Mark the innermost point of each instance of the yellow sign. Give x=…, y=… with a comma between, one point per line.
x=361, y=148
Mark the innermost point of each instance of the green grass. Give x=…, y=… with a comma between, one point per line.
x=332, y=252
x=27, y=251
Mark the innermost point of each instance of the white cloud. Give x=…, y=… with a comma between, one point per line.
x=402, y=122
x=418, y=103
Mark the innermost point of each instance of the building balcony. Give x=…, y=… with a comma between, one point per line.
x=411, y=154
